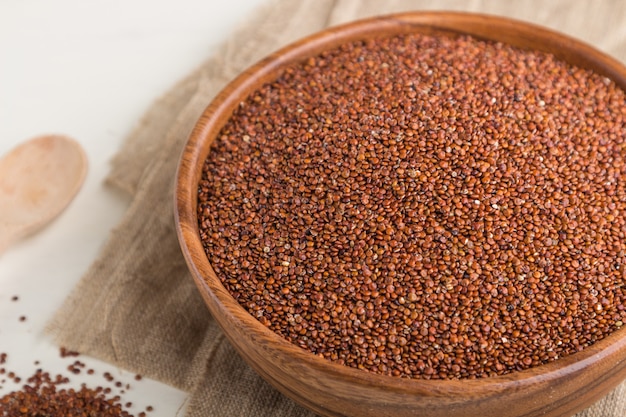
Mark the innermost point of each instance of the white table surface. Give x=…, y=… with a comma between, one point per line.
x=88, y=69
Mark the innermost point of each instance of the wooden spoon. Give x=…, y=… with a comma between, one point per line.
x=38, y=179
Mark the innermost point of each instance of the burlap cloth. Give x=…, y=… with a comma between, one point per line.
x=137, y=306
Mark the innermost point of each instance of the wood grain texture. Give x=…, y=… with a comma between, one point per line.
x=557, y=389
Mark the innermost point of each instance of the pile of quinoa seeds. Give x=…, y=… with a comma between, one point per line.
x=425, y=207
x=47, y=394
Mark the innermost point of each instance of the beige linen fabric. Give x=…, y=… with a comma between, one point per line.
x=137, y=306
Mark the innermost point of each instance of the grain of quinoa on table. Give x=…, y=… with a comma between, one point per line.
x=425, y=207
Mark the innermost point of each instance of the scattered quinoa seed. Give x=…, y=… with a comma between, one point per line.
x=46, y=395
x=64, y=352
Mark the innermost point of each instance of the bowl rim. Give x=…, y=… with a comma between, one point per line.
x=521, y=34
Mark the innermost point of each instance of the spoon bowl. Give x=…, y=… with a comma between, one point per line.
x=38, y=179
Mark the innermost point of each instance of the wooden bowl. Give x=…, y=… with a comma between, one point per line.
x=560, y=388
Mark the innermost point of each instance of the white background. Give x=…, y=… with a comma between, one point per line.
x=88, y=69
